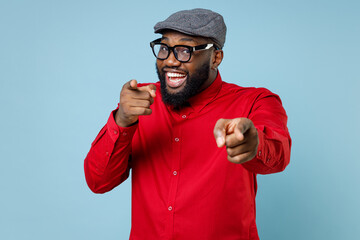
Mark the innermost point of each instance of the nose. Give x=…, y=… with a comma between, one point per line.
x=171, y=60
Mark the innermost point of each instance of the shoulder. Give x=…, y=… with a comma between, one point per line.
x=253, y=92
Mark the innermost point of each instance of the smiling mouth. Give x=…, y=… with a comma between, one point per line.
x=175, y=79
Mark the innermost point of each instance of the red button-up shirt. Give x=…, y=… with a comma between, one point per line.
x=183, y=186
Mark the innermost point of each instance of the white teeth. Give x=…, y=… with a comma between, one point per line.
x=171, y=74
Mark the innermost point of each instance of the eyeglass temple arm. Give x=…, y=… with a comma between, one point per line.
x=204, y=47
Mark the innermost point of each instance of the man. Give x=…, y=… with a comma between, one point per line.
x=194, y=143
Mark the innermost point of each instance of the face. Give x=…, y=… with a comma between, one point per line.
x=180, y=81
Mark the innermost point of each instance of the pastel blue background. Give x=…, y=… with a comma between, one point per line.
x=62, y=66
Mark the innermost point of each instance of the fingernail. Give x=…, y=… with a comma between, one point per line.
x=220, y=141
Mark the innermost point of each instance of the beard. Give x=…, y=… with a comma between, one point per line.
x=192, y=86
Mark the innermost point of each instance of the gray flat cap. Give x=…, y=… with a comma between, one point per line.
x=196, y=22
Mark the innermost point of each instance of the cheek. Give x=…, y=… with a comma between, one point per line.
x=190, y=67
x=197, y=63
x=159, y=64
x=194, y=68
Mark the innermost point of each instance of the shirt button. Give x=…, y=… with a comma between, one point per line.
x=183, y=116
x=115, y=132
x=175, y=173
x=268, y=160
x=259, y=154
x=124, y=133
x=107, y=153
x=177, y=139
x=170, y=208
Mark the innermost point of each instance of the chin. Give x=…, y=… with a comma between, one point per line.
x=172, y=90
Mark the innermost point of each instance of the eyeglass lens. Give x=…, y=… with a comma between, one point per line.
x=162, y=51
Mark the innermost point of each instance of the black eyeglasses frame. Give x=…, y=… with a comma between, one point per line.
x=171, y=49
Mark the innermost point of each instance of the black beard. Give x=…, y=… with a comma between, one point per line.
x=191, y=88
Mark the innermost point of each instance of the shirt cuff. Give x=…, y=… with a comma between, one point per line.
x=118, y=133
x=261, y=163
x=262, y=151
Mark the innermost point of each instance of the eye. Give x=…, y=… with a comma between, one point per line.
x=183, y=50
x=163, y=48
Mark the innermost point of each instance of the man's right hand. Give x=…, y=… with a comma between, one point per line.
x=134, y=101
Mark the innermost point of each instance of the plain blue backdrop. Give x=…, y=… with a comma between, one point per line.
x=62, y=66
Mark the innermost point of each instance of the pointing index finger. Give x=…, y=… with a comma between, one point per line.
x=220, y=132
x=151, y=88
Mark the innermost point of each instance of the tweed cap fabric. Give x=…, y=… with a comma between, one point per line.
x=196, y=22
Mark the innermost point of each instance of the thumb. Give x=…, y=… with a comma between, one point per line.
x=220, y=132
x=242, y=127
x=133, y=84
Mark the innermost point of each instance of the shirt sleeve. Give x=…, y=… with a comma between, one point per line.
x=108, y=162
x=270, y=119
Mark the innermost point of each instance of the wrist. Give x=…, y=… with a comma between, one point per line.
x=122, y=121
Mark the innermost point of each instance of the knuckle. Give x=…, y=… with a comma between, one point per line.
x=236, y=159
x=143, y=111
x=229, y=152
x=147, y=111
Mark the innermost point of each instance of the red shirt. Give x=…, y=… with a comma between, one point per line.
x=183, y=186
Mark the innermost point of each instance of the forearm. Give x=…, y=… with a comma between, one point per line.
x=107, y=163
x=270, y=119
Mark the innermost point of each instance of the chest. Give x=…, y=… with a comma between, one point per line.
x=184, y=136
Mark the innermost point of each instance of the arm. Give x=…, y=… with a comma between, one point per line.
x=260, y=142
x=270, y=120
x=109, y=160
x=107, y=163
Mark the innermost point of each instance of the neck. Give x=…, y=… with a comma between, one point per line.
x=212, y=76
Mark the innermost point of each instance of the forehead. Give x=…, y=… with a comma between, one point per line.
x=176, y=38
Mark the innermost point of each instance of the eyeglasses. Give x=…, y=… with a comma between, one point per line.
x=181, y=52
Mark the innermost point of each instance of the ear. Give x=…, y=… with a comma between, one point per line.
x=217, y=57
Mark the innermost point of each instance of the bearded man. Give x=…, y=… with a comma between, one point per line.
x=193, y=142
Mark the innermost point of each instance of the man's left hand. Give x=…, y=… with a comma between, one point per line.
x=240, y=137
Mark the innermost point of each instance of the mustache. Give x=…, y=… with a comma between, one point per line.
x=164, y=69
